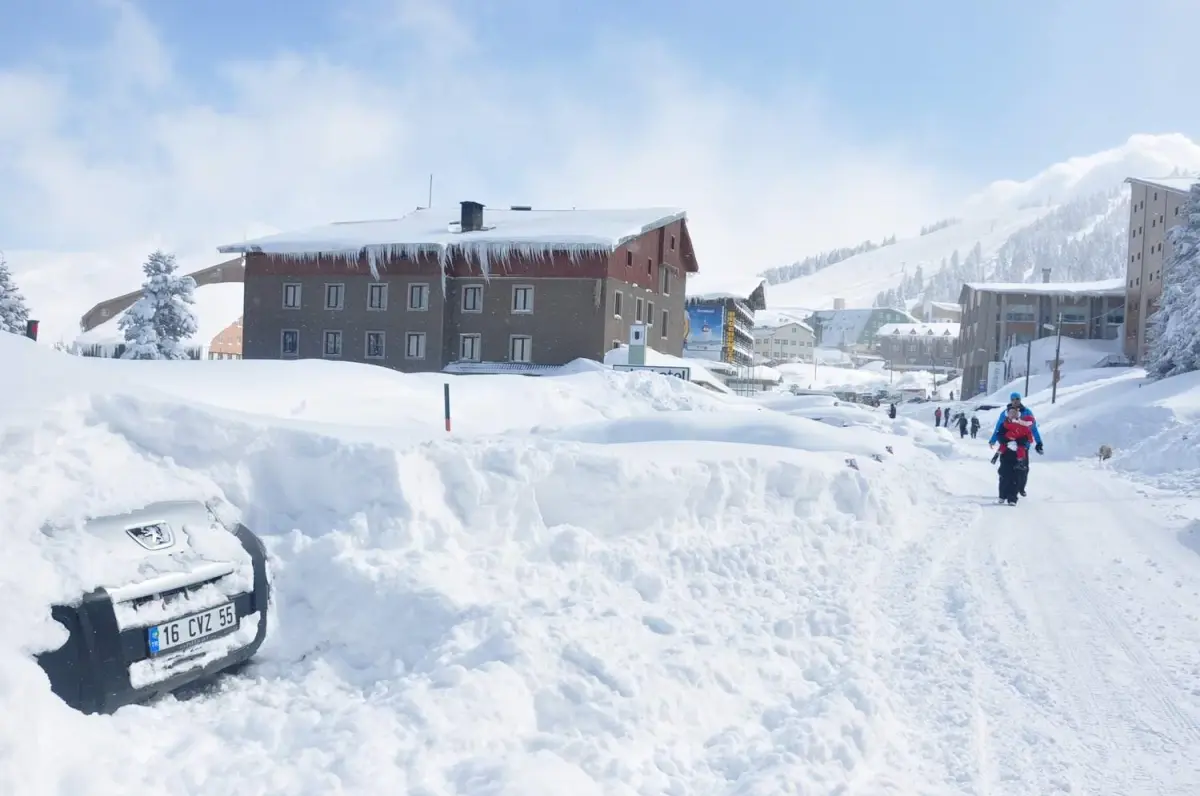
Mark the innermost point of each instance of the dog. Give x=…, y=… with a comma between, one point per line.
x=1105, y=453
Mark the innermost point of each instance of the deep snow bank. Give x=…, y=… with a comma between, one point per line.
x=512, y=614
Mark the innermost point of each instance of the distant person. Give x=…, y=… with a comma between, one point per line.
x=962, y=426
x=892, y=411
x=937, y=417
x=974, y=426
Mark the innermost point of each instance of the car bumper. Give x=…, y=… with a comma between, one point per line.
x=103, y=667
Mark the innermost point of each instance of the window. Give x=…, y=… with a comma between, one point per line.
x=1020, y=312
x=637, y=310
x=672, y=243
x=522, y=298
x=374, y=345
x=291, y=296
x=333, y=344
x=662, y=330
x=289, y=343
x=649, y=266
x=664, y=279
x=628, y=259
x=377, y=296
x=650, y=313
x=414, y=345
x=520, y=348
x=418, y=297
x=472, y=298
x=616, y=344
x=335, y=295
x=617, y=304
x=468, y=347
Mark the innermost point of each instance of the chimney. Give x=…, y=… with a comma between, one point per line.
x=472, y=217
x=839, y=304
x=1045, y=274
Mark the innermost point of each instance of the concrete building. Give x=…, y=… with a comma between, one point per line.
x=791, y=342
x=853, y=329
x=1154, y=208
x=928, y=311
x=515, y=285
x=918, y=345
x=222, y=273
x=998, y=316
x=228, y=342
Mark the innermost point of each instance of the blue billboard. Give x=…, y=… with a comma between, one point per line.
x=705, y=334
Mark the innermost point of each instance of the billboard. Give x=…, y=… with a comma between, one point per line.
x=705, y=337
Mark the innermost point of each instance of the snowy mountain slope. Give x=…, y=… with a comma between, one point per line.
x=1066, y=218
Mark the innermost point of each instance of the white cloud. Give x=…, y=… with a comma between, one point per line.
x=767, y=176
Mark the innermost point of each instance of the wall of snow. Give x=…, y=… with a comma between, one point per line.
x=681, y=606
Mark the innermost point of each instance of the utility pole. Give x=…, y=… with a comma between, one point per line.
x=1028, y=362
x=1057, y=353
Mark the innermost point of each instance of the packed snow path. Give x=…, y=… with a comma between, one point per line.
x=1051, y=647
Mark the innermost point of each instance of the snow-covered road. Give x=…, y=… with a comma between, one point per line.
x=1051, y=647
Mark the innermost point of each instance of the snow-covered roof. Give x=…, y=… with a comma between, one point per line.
x=775, y=318
x=846, y=326
x=929, y=329
x=1102, y=287
x=217, y=306
x=435, y=231
x=1177, y=184
x=720, y=286
x=948, y=306
x=768, y=331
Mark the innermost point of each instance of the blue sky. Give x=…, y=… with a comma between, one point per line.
x=968, y=83
x=784, y=128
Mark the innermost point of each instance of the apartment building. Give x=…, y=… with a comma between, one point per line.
x=536, y=287
x=789, y=342
x=916, y=345
x=1154, y=208
x=998, y=316
x=853, y=329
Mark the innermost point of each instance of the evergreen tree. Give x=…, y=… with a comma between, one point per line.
x=14, y=314
x=1174, y=329
x=162, y=319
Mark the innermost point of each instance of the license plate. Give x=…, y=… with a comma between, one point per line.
x=179, y=632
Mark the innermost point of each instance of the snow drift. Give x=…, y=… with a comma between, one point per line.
x=578, y=611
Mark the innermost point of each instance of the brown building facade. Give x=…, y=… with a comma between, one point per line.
x=1154, y=208
x=998, y=316
x=432, y=304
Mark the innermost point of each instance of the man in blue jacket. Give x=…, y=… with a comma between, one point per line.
x=1014, y=400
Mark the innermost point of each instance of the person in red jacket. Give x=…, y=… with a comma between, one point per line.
x=1015, y=437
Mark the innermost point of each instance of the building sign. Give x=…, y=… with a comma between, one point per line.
x=705, y=331
x=995, y=376
x=730, y=327
x=666, y=370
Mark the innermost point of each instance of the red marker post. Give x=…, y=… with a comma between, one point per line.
x=446, y=396
x=31, y=329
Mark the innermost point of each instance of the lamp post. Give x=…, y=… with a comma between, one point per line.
x=1057, y=352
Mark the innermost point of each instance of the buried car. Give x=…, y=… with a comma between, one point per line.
x=190, y=602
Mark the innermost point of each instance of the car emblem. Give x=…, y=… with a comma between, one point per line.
x=152, y=537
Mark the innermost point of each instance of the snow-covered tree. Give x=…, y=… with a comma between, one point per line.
x=158, y=322
x=14, y=314
x=1174, y=329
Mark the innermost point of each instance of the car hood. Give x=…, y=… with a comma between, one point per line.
x=164, y=544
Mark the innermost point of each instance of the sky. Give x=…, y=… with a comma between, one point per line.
x=784, y=128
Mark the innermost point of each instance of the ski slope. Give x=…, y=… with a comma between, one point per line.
x=614, y=583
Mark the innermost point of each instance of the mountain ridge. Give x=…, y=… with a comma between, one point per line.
x=1071, y=218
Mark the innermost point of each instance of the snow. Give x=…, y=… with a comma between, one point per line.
x=435, y=230
x=621, y=583
x=859, y=279
x=1177, y=184
x=989, y=217
x=216, y=307
x=939, y=329
x=1075, y=355
x=846, y=326
x=1103, y=287
x=700, y=373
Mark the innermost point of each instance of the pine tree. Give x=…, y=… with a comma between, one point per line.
x=162, y=319
x=14, y=313
x=1174, y=329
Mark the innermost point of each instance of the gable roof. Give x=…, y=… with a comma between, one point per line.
x=919, y=329
x=529, y=233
